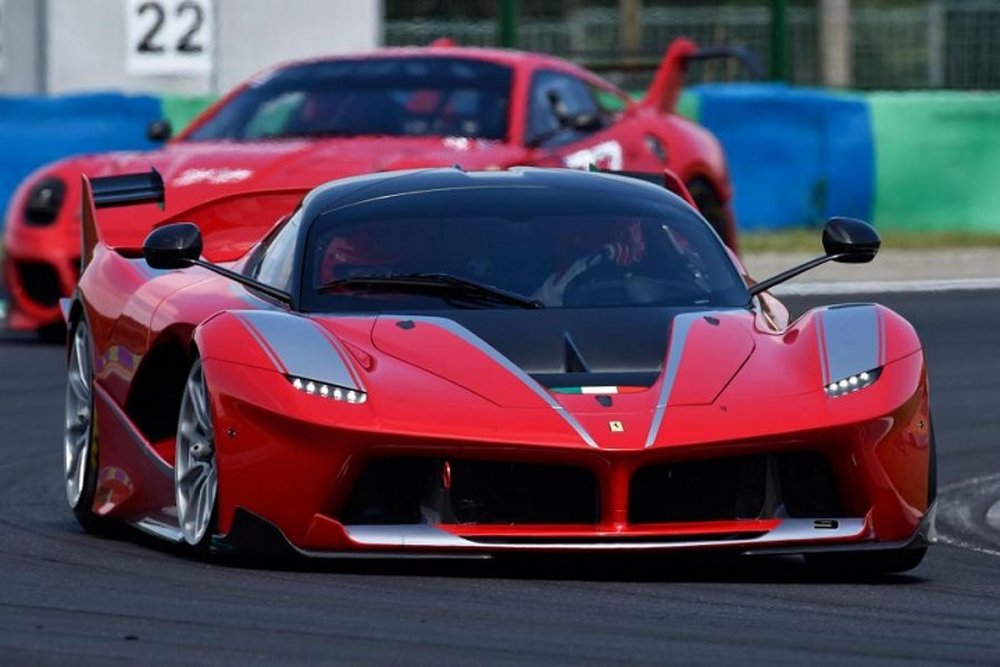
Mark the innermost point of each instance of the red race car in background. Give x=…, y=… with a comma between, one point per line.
x=448, y=362
x=307, y=122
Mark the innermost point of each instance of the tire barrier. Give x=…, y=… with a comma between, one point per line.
x=907, y=161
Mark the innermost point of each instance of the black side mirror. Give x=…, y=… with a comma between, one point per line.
x=159, y=130
x=844, y=240
x=173, y=246
x=850, y=240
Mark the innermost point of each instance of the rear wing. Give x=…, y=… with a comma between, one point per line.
x=231, y=221
x=670, y=76
x=667, y=179
x=112, y=191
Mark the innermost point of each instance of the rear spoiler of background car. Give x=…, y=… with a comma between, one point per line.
x=667, y=179
x=110, y=191
x=670, y=76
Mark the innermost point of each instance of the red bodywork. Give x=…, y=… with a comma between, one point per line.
x=42, y=261
x=743, y=383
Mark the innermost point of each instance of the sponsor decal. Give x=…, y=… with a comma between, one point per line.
x=220, y=176
x=605, y=155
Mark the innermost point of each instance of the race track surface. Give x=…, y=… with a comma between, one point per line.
x=70, y=598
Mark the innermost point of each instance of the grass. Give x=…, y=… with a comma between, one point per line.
x=801, y=240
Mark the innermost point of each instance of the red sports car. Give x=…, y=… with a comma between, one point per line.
x=304, y=123
x=441, y=361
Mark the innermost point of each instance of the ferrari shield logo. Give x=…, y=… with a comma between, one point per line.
x=616, y=427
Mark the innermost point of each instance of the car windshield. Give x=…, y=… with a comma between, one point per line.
x=507, y=247
x=436, y=96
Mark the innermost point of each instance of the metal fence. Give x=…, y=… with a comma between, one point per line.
x=903, y=44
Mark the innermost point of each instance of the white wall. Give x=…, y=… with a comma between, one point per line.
x=254, y=34
x=85, y=43
x=20, y=67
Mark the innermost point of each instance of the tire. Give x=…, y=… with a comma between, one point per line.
x=711, y=207
x=869, y=562
x=195, y=473
x=80, y=434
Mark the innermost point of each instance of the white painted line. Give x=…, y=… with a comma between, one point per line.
x=944, y=539
x=885, y=286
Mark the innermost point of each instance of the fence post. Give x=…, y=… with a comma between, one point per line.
x=835, y=42
x=507, y=24
x=779, y=40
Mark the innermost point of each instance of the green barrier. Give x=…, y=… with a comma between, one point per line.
x=181, y=109
x=937, y=158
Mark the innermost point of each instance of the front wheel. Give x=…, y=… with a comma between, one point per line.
x=80, y=442
x=195, y=474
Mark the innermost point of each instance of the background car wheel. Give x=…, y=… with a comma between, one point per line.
x=707, y=201
x=80, y=442
x=195, y=475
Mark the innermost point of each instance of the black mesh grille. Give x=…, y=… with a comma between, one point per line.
x=731, y=488
x=808, y=488
x=794, y=484
x=512, y=493
x=40, y=282
x=413, y=490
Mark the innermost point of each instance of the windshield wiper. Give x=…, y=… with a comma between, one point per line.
x=443, y=284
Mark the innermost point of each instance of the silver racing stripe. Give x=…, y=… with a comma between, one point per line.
x=853, y=339
x=458, y=330
x=300, y=347
x=675, y=350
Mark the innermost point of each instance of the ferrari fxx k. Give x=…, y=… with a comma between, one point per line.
x=307, y=122
x=440, y=361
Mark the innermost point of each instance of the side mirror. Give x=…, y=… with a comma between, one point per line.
x=844, y=240
x=850, y=240
x=173, y=246
x=159, y=130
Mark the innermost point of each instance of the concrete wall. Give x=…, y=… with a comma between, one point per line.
x=83, y=43
x=20, y=63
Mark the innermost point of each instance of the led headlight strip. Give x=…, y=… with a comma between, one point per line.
x=332, y=391
x=852, y=383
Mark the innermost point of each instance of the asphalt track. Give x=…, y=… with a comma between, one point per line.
x=66, y=597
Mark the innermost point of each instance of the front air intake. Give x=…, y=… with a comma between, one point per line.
x=403, y=490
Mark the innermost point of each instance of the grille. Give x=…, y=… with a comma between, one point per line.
x=40, y=282
x=415, y=490
x=795, y=484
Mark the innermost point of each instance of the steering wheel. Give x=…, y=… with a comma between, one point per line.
x=605, y=283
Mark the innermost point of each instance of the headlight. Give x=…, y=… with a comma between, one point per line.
x=45, y=198
x=852, y=383
x=325, y=390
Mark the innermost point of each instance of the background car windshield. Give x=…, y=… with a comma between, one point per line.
x=378, y=96
x=564, y=248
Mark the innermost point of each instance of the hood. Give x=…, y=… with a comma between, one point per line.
x=590, y=366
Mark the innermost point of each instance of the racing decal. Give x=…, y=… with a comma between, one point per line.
x=851, y=340
x=605, y=155
x=219, y=176
x=300, y=347
x=675, y=350
x=472, y=339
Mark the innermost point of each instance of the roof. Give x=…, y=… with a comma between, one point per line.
x=360, y=189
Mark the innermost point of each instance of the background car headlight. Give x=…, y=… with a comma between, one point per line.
x=852, y=383
x=45, y=198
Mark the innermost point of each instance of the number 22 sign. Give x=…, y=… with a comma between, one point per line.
x=169, y=37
